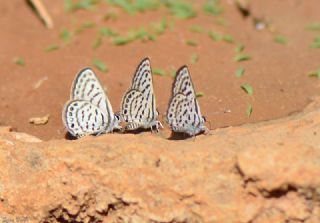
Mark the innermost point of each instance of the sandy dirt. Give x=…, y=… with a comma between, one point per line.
x=277, y=73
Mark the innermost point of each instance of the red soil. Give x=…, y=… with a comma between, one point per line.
x=277, y=73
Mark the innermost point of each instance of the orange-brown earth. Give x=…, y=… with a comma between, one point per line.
x=256, y=173
x=253, y=173
x=277, y=73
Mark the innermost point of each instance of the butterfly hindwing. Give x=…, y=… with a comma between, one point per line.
x=83, y=118
x=135, y=106
x=86, y=86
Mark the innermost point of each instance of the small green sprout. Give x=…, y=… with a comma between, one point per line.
x=239, y=48
x=197, y=29
x=240, y=72
x=247, y=88
x=19, y=61
x=52, y=47
x=191, y=43
x=228, y=38
x=200, y=94
x=313, y=26
x=194, y=58
x=158, y=71
x=249, y=110
x=242, y=57
x=65, y=35
x=97, y=42
x=215, y=36
x=100, y=65
x=280, y=39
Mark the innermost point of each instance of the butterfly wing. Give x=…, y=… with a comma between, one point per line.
x=184, y=113
x=138, y=104
x=89, y=107
x=84, y=118
x=86, y=86
x=135, y=107
x=143, y=77
x=183, y=83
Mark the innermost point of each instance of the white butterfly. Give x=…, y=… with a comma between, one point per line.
x=138, y=106
x=183, y=113
x=89, y=110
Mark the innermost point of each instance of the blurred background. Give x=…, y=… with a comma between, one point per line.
x=249, y=60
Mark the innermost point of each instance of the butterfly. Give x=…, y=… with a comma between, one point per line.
x=183, y=113
x=89, y=110
x=138, y=106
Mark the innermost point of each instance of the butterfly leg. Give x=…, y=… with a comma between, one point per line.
x=117, y=120
x=101, y=132
x=157, y=126
x=118, y=127
x=194, y=135
x=207, y=131
x=160, y=124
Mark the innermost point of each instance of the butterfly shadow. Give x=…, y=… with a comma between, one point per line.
x=136, y=131
x=68, y=136
x=179, y=136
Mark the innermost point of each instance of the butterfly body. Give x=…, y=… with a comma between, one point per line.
x=138, y=107
x=184, y=113
x=88, y=111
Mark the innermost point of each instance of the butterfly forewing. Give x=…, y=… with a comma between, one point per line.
x=87, y=87
x=138, y=104
x=183, y=83
x=83, y=118
x=143, y=77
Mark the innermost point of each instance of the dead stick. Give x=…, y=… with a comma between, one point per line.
x=43, y=13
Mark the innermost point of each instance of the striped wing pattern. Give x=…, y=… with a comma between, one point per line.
x=84, y=118
x=138, y=106
x=183, y=113
x=86, y=86
x=88, y=111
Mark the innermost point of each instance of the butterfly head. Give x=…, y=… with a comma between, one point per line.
x=116, y=121
x=118, y=117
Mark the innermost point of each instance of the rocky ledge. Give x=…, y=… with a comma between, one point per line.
x=265, y=172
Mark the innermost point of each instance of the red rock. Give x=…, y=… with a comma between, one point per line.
x=265, y=172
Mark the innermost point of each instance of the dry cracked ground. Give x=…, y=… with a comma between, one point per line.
x=265, y=172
